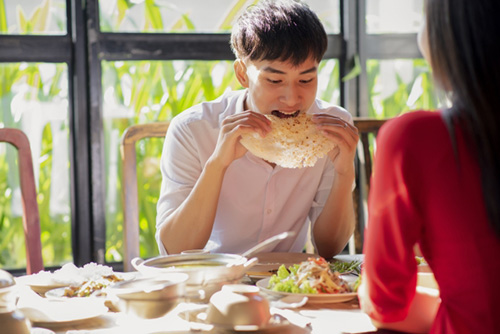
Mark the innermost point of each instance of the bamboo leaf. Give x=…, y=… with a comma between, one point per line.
x=231, y=16
x=153, y=16
x=122, y=8
x=355, y=71
x=41, y=17
x=3, y=17
x=21, y=18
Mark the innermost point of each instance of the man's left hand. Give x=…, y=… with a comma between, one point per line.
x=345, y=137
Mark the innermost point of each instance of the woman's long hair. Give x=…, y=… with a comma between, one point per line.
x=464, y=43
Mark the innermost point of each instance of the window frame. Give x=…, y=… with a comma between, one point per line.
x=84, y=47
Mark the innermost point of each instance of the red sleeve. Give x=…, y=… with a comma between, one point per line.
x=393, y=224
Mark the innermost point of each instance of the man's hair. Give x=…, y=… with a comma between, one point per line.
x=284, y=30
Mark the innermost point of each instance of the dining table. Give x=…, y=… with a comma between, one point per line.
x=314, y=317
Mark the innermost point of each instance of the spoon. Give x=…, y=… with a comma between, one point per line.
x=268, y=242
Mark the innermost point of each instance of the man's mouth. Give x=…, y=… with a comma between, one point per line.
x=279, y=114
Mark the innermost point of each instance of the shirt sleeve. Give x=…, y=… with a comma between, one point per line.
x=328, y=175
x=393, y=227
x=180, y=168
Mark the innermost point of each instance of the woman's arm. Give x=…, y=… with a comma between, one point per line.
x=421, y=312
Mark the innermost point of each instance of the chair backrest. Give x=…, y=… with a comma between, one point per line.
x=368, y=129
x=31, y=216
x=129, y=185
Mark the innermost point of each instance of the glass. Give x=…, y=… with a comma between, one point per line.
x=34, y=98
x=399, y=85
x=136, y=92
x=33, y=17
x=192, y=16
x=394, y=16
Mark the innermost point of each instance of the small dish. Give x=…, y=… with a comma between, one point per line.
x=197, y=319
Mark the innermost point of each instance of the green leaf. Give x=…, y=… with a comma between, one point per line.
x=233, y=13
x=21, y=18
x=153, y=16
x=41, y=17
x=355, y=71
x=3, y=17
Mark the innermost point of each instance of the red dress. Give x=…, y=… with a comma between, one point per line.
x=419, y=194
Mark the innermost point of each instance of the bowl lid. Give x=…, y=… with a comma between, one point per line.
x=6, y=279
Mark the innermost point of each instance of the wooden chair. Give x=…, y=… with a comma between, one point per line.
x=31, y=216
x=129, y=185
x=368, y=129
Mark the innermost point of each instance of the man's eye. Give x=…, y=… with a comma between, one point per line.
x=306, y=81
x=274, y=81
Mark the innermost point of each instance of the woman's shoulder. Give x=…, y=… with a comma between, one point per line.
x=413, y=134
x=414, y=120
x=415, y=124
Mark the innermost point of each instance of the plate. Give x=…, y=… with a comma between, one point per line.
x=41, y=283
x=58, y=294
x=312, y=298
x=43, y=310
x=277, y=324
x=270, y=262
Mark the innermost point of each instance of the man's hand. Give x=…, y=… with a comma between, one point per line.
x=344, y=135
x=228, y=146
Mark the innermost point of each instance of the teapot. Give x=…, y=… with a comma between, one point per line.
x=12, y=320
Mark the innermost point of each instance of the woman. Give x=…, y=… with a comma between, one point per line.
x=436, y=185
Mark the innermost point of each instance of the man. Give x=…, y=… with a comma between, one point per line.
x=218, y=196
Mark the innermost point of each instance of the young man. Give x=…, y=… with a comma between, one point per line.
x=218, y=196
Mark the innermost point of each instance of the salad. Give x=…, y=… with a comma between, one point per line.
x=310, y=277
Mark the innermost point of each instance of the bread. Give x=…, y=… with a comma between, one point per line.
x=293, y=142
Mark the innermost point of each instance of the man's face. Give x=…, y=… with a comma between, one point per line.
x=279, y=88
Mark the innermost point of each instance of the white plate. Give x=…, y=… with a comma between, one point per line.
x=270, y=262
x=278, y=324
x=69, y=310
x=58, y=294
x=43, y=282
x=38, y=283
x=312, y=298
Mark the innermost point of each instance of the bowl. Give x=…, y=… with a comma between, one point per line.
x=150, y=297
x=207, y=272
x=238, y=305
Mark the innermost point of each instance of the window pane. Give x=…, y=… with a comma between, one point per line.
x=394, y=16
x=191, y=16
x=33, y=17
x=137, y=92
x=399, y=85
x=34, y=98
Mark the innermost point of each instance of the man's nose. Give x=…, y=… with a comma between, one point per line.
x=290, y=95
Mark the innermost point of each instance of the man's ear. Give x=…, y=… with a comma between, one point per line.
x=240, y=70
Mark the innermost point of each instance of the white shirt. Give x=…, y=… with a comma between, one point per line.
x=256, y=201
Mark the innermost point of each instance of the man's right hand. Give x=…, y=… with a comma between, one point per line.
x=228, y=146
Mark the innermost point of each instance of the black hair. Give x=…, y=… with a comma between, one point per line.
x=279, y=30
x=464, y=46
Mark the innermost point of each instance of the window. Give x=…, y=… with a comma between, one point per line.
x=75, y=74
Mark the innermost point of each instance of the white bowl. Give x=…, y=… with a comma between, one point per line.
x=150, y=297
x=238, y=305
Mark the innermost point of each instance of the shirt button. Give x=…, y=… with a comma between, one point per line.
x=269, y=211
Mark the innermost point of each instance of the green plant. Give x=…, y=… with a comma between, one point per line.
x=24, y=86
